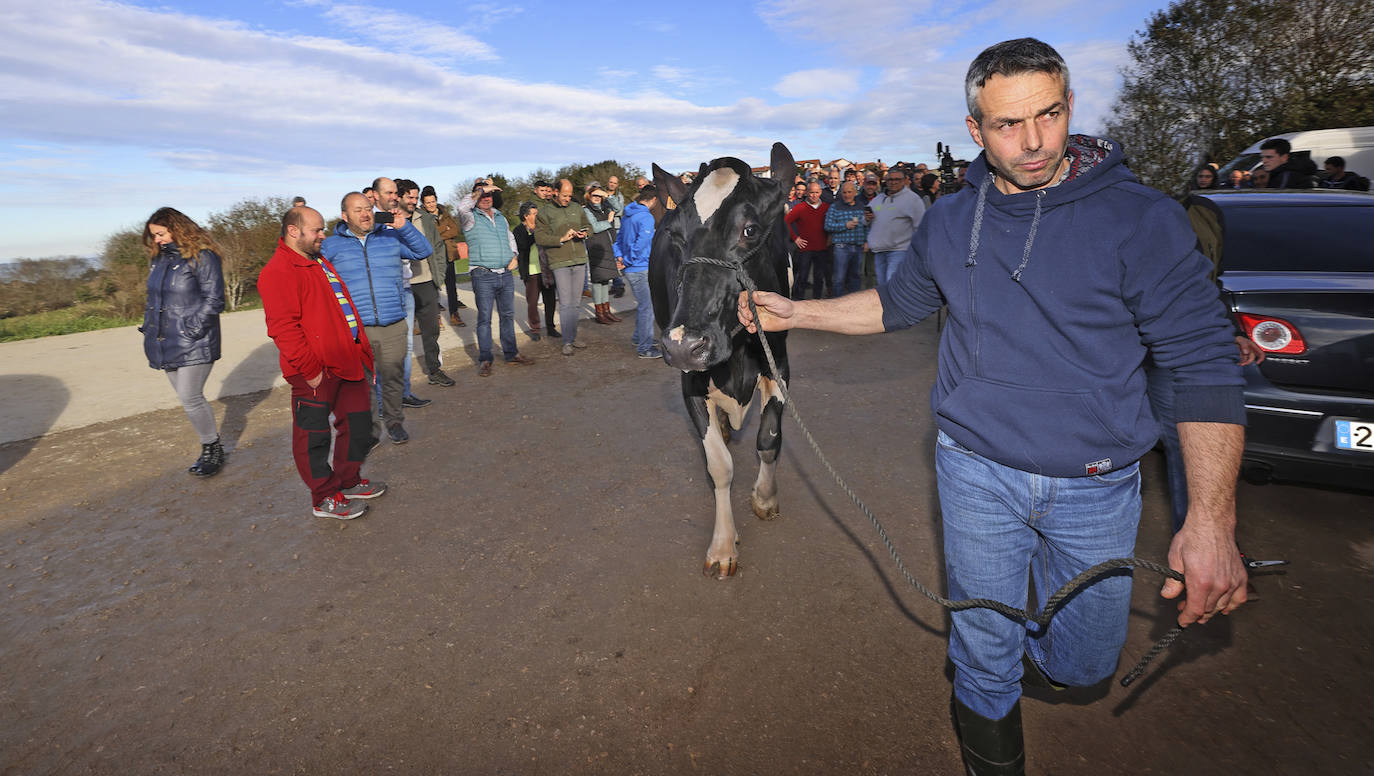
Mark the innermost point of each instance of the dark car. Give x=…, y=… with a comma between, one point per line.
x=1298, y=273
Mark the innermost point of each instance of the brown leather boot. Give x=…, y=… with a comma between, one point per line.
x=611, y=313
x=601, y=314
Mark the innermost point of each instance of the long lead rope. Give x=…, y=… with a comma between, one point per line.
x=1052, y=604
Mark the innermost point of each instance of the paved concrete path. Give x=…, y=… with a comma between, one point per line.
x=74, y=380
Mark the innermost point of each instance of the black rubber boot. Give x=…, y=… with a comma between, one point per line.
x=991, y=747
x=211, y=460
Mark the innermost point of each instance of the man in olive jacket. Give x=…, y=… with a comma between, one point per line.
x=561, y=228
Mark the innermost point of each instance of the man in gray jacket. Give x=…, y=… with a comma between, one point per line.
x=896, y=212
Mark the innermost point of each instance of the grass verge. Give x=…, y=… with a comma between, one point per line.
x=86, y=316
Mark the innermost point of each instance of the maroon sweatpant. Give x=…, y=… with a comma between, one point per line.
x=349, y=402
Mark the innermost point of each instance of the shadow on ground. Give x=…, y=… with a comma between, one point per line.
x=42, y=400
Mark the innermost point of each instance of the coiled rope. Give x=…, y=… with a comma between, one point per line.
x=1052, y=604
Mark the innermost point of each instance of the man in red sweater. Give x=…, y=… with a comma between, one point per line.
x=326, y=358
x=806, y=224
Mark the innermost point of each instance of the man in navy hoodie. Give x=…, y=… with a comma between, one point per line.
x=1061, y=273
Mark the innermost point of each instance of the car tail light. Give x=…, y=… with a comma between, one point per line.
x=1273, y=335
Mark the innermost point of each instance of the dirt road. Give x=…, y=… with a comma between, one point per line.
x=527, y=599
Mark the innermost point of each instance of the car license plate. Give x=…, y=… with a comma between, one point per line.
x=1355, y=435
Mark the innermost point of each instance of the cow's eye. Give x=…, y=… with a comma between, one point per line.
x=751, y=231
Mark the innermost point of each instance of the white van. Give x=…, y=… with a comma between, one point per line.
x=1354, y=144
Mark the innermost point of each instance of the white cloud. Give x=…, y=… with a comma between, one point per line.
x=1095, y=76
x=674, y=75
x=875, y=32
x=821, y=82
x=251, y=109
x=403, y=32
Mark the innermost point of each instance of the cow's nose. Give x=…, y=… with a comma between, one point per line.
x=687, y=351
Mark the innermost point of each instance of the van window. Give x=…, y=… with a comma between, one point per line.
x=1243, y=162
x=1299, y=239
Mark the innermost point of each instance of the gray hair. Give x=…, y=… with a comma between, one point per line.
x=1008, y=58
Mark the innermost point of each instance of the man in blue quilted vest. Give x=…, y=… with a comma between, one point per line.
x=491, y=262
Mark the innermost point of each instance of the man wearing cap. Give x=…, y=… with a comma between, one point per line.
x=491, y=261
x=867, y=193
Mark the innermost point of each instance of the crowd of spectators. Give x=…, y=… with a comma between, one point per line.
x=345, y=305
x=851, y=225
x=1280, y=168
x=394, y=250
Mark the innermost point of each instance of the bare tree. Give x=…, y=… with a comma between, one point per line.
x=247, y=235
x=124, y=272
x=1209, y=77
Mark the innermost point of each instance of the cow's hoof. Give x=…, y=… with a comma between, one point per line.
x=720, y=569
x=765, y=512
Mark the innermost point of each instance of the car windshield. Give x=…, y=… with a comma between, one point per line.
x=1299, y=239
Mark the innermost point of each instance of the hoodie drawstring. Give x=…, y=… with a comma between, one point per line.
x=1030, y=240
x=978, y=220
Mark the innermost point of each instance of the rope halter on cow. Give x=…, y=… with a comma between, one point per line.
x=1052, y=604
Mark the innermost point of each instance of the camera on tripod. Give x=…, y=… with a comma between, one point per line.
x=949, y=182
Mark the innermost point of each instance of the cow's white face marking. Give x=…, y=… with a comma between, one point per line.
x=714, y=190
x=675, y=334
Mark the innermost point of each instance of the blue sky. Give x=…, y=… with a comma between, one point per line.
x=112, y=109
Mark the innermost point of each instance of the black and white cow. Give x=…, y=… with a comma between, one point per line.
x=726, y=215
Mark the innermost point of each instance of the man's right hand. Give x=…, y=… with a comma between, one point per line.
x=775, y=311
x=801, y=243
x=316, y=380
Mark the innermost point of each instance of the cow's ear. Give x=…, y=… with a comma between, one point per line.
x=666, y=182
x=781, y=165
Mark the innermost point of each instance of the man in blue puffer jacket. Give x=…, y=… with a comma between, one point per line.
x=368, y=255
x=632, y=246
x=1061, y=273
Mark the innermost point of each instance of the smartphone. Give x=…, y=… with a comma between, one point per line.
x=383, y=217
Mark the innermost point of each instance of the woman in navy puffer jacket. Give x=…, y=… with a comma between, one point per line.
x=181, y=320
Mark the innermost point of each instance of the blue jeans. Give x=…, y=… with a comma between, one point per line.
x=643, y=338
x=849, y=263
x=885, y=264
x=1159, y=386
x=1001, y=524
x=490, y=287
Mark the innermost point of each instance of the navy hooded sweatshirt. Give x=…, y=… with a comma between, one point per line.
x=1055, y=298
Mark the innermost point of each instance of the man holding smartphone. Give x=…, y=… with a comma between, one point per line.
x=561, y=228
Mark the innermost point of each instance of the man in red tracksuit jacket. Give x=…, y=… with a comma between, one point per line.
x=806, y=227
x=326, y=358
